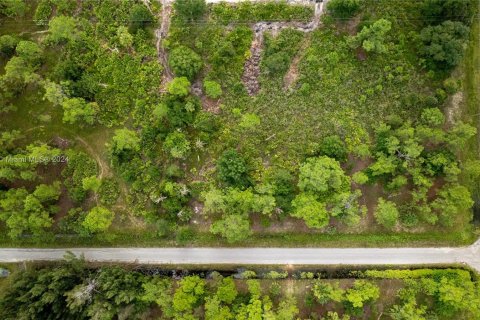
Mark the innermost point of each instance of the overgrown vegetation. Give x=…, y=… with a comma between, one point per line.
x=73, y=290
x=356, y=129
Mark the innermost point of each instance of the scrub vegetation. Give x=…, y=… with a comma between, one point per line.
x=362, y=128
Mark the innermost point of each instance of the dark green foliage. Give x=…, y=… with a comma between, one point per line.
x=268, y=11
x=190, y=10
x=333, y=147
x=43, y=12
x=232, y=169
x=443, y=44
x=283, y=184
x=437, y=11
x=79, y=166
x=279, y=51
x=184, y=62
x=109, y=191
x=7, y=45
x=140, y=17
x=343, y=8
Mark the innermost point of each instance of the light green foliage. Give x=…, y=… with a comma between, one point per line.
x=432, y=117
x=125, y=140
x=91, y=183
x=408, y=311
x=179, y=87
x=361, y=293
x=177, y=145
x=452, y=200
x=79, y=167
x=276, y=275
x=78, y=110
x=227, y=291
x=212, y=89
x=185, y=62
x=125, y=39
x=98, y=219
x=307, y=207
x=62, y=29
x=8, y=44
x=17, y=74
x=249, y=121
x=386, y=213
x=234, y=228
x=322, y=176
x=214, y=310
x=159, y=290
x=30, y=52
x=372, y=38
x=23, y=212
x=360, y=177
x=334, y=316
x=460, y=134
x=343, y=8
x=325, y=292
x=188, y=293
x=443, y=44
x=53, y=93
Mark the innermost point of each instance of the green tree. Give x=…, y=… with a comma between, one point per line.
x=13, y=8
x=177, y=144
x=98, y=219
x=46, y=193
x=437, y=11
x=343, y=8
x=432, y=117
x=125, y=142
x=322, y=176
x=140, y=17
x=214, y=310
x=189, y=292
x=234, y=228
x=307, y=207
x=91, y=183
x=443, y=44
x=325, y=292
x=386, y=213
x=361, y=293
x=212, y=89
x=452, y=199
x=372, y=38
x=62, y=29
x=30, y=52
x=78, y=110
x=125, y=39
x=8, y=44
x=185, y=62
x=334, y=147
x=179, y=87
x=190, y=10
x=408, y=311
x=232, y=169
x=227, y=291
x=53, y=93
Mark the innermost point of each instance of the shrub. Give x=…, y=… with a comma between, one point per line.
x=443, y=44
x=334, y=147
x=179, y=87
x=189, y=10
x=98, y=219
x=343, y=8
x=139, y=17
x=185, y=62
x=7, y=45
x=232, y=169
x=109, y=191
x=177, y=144
x=212, y=89
x=386, y=213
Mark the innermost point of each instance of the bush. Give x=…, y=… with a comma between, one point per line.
x=177, y=144
x=343, y=8
x=139, y=17
x=185, y=62
x=7, y=45
x=334, y=147
x=443, y=44
x=232, y=169
x=179, y=87
x=212, y=89
x=451, y=85
x=109, y=191
x=189, y=10
x=43, y=12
